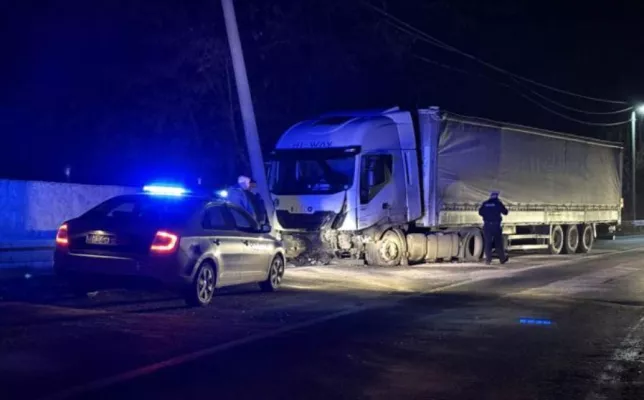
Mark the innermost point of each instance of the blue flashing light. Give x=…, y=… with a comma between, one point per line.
x=533, y=321
x=164, y=190
x=223, y=194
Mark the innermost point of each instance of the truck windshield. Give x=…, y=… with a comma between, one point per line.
x=312, y=171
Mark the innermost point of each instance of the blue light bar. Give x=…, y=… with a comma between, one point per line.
x=223, y=194
x=165, y=190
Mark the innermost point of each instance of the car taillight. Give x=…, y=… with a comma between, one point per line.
x=164, y=242
x=62, y=236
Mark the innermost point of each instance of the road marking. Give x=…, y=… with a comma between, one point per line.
x=185, y=358
x=629, y=350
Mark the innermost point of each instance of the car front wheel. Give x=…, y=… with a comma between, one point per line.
x=275, y=275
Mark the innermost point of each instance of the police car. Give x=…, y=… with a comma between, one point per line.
x=192, y=244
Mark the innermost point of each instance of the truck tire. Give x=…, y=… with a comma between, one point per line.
x=404, y=250
x=557, y=239
x=572, y=239
x=388, y=251
x=586, y=238
x=472, y=245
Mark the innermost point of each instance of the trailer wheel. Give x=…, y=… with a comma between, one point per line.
x=472, y=245
x=572, y=239
x=556, y=239
x=586, y=239
x=387, y=251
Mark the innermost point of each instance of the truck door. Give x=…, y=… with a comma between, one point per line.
x=380, y=199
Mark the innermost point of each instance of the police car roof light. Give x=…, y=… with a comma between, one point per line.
x=222, y=193
x=165, y=190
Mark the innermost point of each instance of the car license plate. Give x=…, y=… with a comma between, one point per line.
x=100, y=239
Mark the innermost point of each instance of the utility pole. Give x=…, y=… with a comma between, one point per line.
x=246, y=105
x=633, y=163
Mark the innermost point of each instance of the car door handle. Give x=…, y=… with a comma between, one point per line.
x=245, y=242
x=215, y=241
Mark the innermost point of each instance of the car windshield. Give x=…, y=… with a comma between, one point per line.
x=132, y=208
x=312, y=172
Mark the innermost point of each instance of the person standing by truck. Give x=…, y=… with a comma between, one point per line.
x=258, y=204
x=492, y=211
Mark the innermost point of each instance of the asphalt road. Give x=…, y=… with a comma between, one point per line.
x=542, y=327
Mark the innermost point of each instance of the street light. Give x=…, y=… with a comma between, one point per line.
x=637, y=109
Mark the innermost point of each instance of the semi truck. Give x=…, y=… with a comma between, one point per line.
x=396, y=186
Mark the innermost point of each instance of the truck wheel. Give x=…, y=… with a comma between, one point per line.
x=572, y=239
x=556, y=239
x=472, y=246
x=586, y=239
x=387, y=251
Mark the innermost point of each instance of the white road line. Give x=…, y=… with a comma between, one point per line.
x=182, y=359
x=629, y=350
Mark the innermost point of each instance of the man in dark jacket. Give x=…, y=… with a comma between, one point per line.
x=258, y=204
x=491, y=211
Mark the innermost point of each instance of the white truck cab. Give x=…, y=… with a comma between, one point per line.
x=346, y=172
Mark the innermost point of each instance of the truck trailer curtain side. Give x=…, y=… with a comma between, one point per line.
x=529, y=167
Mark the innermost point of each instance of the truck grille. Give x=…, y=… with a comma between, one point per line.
x=309, y=222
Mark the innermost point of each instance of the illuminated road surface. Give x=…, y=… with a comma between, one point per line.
x=545, y=327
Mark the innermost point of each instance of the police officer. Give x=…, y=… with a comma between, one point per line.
x=491, y=211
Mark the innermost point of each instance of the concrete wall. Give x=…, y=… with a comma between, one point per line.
x=33, y=210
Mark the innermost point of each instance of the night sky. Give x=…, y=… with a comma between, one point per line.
x=127, y=91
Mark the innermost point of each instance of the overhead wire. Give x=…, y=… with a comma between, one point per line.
x=438, y=43
x=578, y=110
x=523, y=95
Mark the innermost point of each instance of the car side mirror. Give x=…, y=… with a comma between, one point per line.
x=266, y=228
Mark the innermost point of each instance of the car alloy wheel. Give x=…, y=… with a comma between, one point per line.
x=275, y=275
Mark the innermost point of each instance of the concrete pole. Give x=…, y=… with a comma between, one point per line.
x=633, y=164
x=246, y=105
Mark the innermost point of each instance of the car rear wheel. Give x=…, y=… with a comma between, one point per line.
x=275, y=275
x=202, y=290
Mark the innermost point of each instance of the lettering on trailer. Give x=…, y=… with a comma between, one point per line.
x=314, y=144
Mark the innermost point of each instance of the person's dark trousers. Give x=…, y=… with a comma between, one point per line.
x=493, y=237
